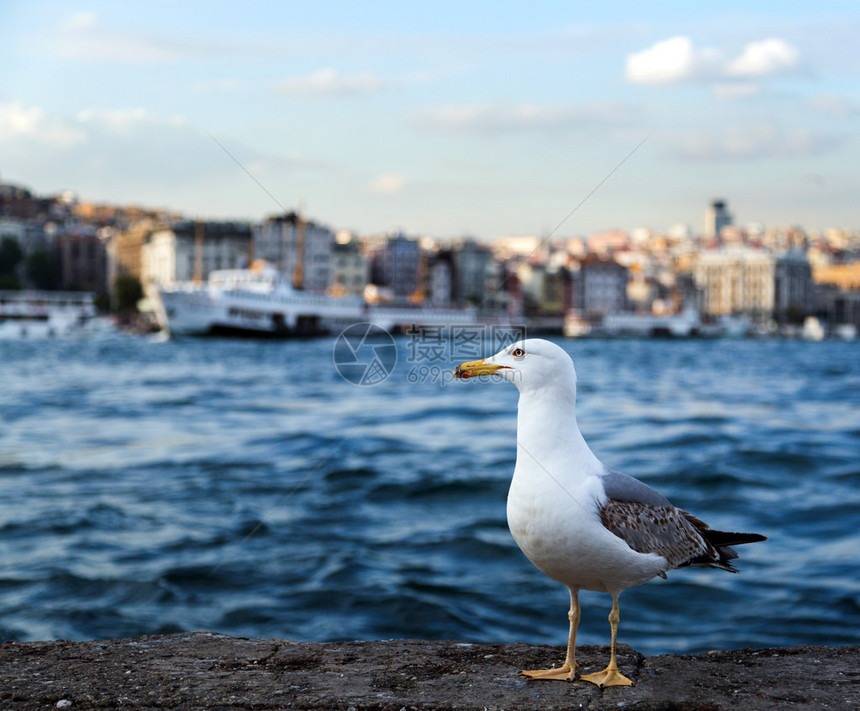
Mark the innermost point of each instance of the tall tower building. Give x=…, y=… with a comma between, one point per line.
x=716, y=217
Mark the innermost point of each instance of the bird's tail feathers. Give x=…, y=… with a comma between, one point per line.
x=730, y=538
x=721, y=541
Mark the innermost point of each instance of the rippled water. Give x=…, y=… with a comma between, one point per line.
x=246, y=488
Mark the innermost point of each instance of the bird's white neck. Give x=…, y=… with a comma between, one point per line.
x=548, y=435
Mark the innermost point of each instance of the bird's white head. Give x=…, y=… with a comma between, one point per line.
x=532, y=365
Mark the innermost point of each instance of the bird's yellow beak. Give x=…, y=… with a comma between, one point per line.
x=476, y=367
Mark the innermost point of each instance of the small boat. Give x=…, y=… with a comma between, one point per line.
x=680, y=325
x=47, y=314
x=575, y=326
x=812, y=329
x=846, y=332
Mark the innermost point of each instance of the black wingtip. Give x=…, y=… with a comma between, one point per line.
x=722, y=542
x=730, y=538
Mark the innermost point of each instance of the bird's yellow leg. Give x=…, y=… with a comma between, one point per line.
x=567, y=671
x=610, y=676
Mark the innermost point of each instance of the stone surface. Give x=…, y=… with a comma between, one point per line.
x=212, y=671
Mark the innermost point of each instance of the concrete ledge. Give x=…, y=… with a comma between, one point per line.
x=213, y=671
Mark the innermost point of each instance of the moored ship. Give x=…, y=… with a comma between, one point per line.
x=260, y=302
x=47, y=314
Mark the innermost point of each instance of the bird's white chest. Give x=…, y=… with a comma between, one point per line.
x=557, y=526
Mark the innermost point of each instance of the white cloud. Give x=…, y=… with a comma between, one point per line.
x=754, y=142
x=19, y=122
x=500, y=117
x=669, y=61
x=80, y=21
x=764, y=58
x=677, y=60
x=388, y=183
x=330, y=81
x=89, y=43
x=123, y=120
x=84, y=38
x=112, y=154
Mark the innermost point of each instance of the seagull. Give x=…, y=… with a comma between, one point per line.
x=579, y=522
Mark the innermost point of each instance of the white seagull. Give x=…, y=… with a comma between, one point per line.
x=579, y=522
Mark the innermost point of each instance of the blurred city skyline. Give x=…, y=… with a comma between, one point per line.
x=443, y=119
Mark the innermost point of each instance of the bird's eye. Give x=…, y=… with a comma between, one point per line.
x=518, y=353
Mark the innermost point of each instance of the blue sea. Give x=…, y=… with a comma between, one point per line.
x=247, y=488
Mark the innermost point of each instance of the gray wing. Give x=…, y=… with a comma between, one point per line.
x=648, y=522
x=621, y=487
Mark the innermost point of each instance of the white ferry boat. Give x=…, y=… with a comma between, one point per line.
x=685, y=324
x=680, y=325
x=260, y=302
x=46, y=314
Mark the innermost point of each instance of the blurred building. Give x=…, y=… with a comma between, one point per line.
x=349, y=267
x=836, y=293
x=396, y=265
x=521, y=247
x=836, y=306
x=717, y=217
x=18, y=202
x=191, y=250
x=125, y=248
x=845, y=277
x=600, y=287
x=82, y=261
x=608, y=242
x=440, y=279
x=300, y=249
x=556, y=297
x=736, y=281
x=30, y=234
x=470, y=261
x=530, y=274
x=792, y=286
x=642, y=290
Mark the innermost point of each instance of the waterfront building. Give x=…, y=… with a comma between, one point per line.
x=530, y=277
x=845, y=277
x=685, y=294
x=440, y=280
x=300, y=249
x=836, y=293
x=125, y=249
x=600, y=287
x=642, y=290
x=503, y=294
x=736, y=281
x=470, y=262
x=349, y=267
x=556, y=297
x=82, y=260
x=190, y=250
x=792, y=286
x=834, y=305
x=396, y=265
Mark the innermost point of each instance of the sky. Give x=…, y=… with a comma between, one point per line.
x=440, y=118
